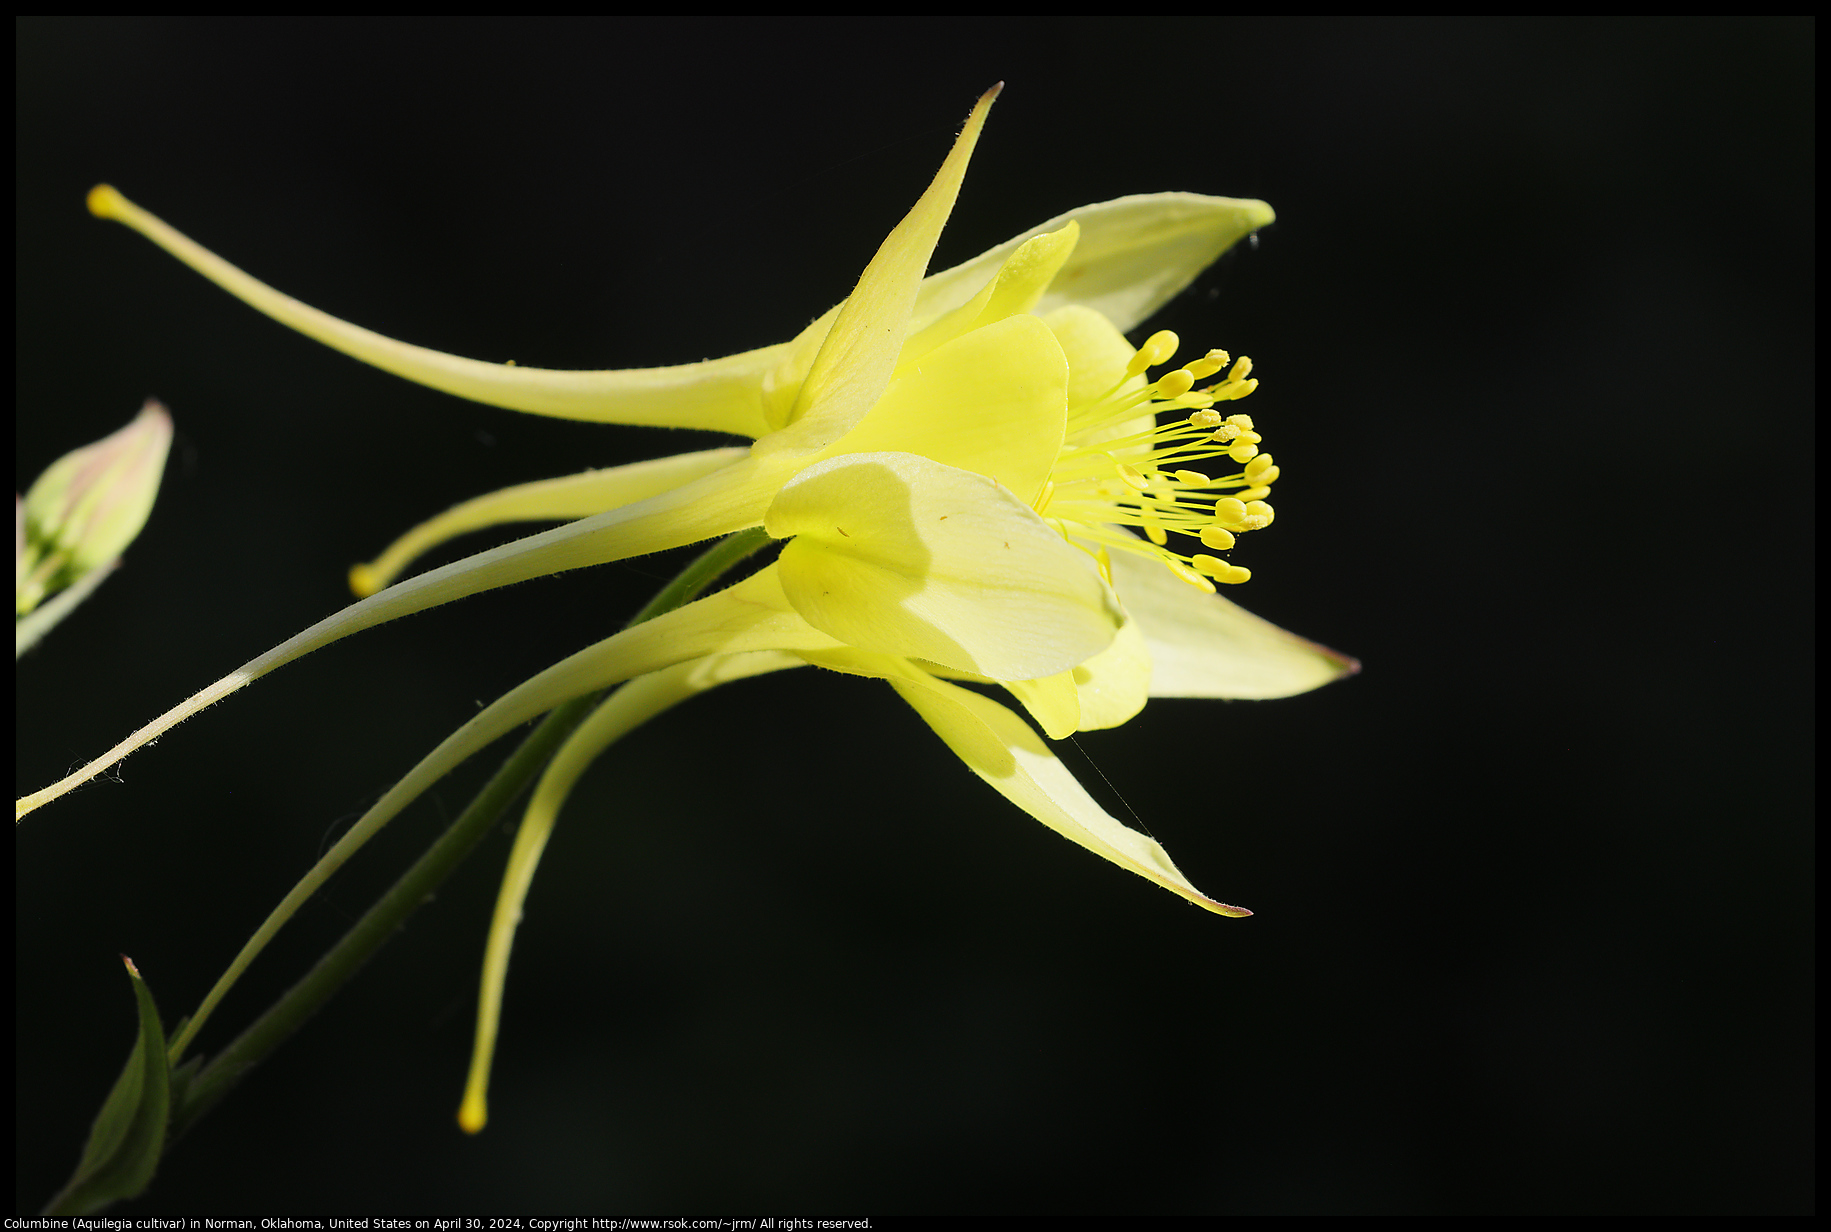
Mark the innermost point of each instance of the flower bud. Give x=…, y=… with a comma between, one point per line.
x=84, y=511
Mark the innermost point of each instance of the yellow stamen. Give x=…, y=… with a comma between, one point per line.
x=1209, y=364
x=1156, y=349
x=1112, y=473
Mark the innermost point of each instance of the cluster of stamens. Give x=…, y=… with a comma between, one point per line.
x=1119, y=467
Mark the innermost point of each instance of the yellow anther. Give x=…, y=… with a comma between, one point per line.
x=1221, y=571
x=1255, y=469
x=1209, y=364
x=1156, y=349
x=1243, y=422
x=1245, y=451
x=1155, y=534
x=1241, y=369
x=1192, y=479
x=1162, y=345
x=1216, y=538
x=1205, y=419
x=1242, y=516
x=1230, y=511
x=1175, y=384
x=1252, y=494
x=1190, y=576
x=1225, y=433
x=1132, y=478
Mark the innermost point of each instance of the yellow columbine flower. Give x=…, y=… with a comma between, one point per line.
x=952, y=460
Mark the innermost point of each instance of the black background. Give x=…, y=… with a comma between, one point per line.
x=1534, y=327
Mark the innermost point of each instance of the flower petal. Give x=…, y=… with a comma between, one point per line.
x=1017, y=286
x=1097, y=353
x=1134, y=254
x=1113, y=686
x=1014, y=288
x=1202, y=645
x=860, y=350
x=1052, y=701
x=1001, y=749
x=991, y=402
x=898, y=554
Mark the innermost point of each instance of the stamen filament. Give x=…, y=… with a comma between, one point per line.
x=1143, y=479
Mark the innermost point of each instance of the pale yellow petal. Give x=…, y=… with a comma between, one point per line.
x=1001, y=749
x=564, y=499
x=1135, y=253
x=1013, y=289
x=860, y=350
x=721, y=395
x=1107, y=690
x=899, y=554
x=1017, y=286
x=991, y=402
x=1113, y=686
x=1053, y=702
x=1097, y=356
x=1097, y=352
x=1202, y=645
x=1144, y=250
x=782, y=383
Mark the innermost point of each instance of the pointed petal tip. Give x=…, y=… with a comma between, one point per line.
x=1346, y=665
x=1220, y=908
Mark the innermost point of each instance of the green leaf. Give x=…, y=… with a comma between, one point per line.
x=129, y=1133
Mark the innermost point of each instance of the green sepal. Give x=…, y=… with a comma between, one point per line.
x=129, y=1133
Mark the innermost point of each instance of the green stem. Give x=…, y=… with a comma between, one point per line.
x=197, y=1096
